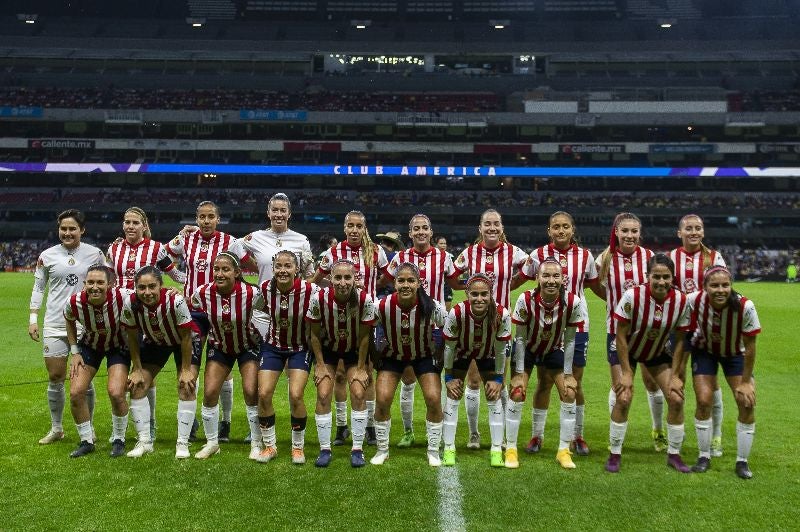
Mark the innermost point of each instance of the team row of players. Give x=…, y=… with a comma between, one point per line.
x=492, y=262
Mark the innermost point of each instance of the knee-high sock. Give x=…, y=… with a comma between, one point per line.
x=370, y=413
x=119, y=425
x=407, y=405
x=579, y=411
x=324, y=423
x=140, y=414
x=612, y=400
x=434, y=432
x=186, y=413
x=472, y=401
x=717, y=411
x=539, y=417
x=566, y=424
x=91, y=398
x=450, y=423
x=513, y=417
x=744, y=440
x=358, y=422
x=616, y=436
x=495, y=423
x=341, y=413
x=299, y=432
x=210, y=415
x=85, y=431
x=252, y=420
x=382, y=430
x=56, y=400
x=151, y=398
x=656, y=401
x=702, y=428
x=226, y=400
x=675, y=435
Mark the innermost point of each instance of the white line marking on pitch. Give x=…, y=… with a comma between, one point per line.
x=451, y=518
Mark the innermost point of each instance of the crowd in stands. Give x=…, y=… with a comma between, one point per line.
x=764, y=101
x=21, y=254
x=215, y=99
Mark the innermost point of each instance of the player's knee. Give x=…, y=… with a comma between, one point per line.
x=517, y=394
x=76, y=397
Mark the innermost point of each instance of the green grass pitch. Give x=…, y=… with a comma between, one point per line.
x=42, y=488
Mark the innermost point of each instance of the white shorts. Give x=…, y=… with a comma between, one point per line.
x=261, y=322
x=55, y=346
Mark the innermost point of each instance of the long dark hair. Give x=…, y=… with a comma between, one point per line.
x=137, y=305
x=734, y=298
x=426, y=304
x=562, y=292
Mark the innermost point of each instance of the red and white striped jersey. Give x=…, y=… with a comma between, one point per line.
x=229, y=315
x=472, y=336
x=367, y=275
x=341, y=324
x=408, y=334
x=624, y=272
x=126, y=259
x=434, y=266
x=199, y=253
x=652, y=321
x=689, y=268
x=159, y=324
x=720, y=331
x=287, y=325
x=102, y=328
x=499, y=262
x=546, y=324
x=577, y=266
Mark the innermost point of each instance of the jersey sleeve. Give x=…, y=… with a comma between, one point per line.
x=69, y=315
x=624, y=307
x=163, y=260
x=391, y=269
x=314, y=312
x=439, y=314
x=182, y=314
x=685, y=319
x=237, y=248
x=449, y=267
x=451, y=328
x=577, y=316
x=197, y=299
x=591, y=273
x=383, y=262
x=530, y=267
x=719, y=260
x=40, y=276
x=326, y=262
x=258, y=300
x=520, y=257
x=750, y=324
x=369, y=313
x=127, y=318
x=503, y=333
x=176, y=247
x=461, y=263
x=521, y=314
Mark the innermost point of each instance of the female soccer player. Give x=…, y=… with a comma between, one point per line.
x=98, y=308
x=435, y=269
x=61, y=271
x=341, y=320
x=164, y=320
x=645, y=317
x=547, y=319
x=577, y=267
x=370, y=261
x=691, y=260
x=198, y=249
x=623, y=265
x=725, y=335
x=408, y=316
x=476, y=329
x=129, y=255
x=287, y=300
x=491, y=254
x=441, y=243
x=228, y=304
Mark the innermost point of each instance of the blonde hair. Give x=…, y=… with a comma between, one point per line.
x=480, y=234
x=705, y=251
x=605, y=256
x=141, y=214
x=366, y=242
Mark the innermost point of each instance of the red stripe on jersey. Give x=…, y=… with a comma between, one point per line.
x=341, y=325
x=498, y=261
x=287, y=325
x=101, y=325
x=229, y=315
x=408, y=336
x=624, y=272
x=433, y=266
x=719, y=331
x=546, y=325
x=653, y=321
x=199, y=254
x=126, y=259
x=160, y=324
x=473, y=340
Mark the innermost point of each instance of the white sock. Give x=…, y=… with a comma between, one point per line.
x=616, y=435
x=186, y=412
x=407, y=405
x=341, y=413
x=504, y=397
x=56, y=400
x=151, y=398
x=268, y=435
x=612, y=400
x=717, y=414
x=140, y=414
x=382, y=429
x=744, y=440
x=675, y=435
x=358, y=423
x=450, y=423
x=324, y=423
x=370, y=413
x=91, y=398
x=539, y=417
x=299, y=439
x=579, y=411
x=252, y=420
x=472, y=402
x=434, y=432
x=210, y=415
x=495, y=423
x=119, y=425
x=703, y=429
x=226, y=400
x=656, y=401
x=85, y=432
x=513, y=418
x=566, y=424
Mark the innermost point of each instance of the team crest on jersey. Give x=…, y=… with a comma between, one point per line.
x=405, y=323
x=652, y=335
x=283, y=323
x=548, y=317
x=658, y=314
x=203, y=246
x=489, y=259
x=523, y=314
x=248, y=238
x=153, y=320
x=715, y=319
x=405, y=339
x=461, y=261
x=131, y=256
x=689, y=286
x=72, y=279
x=629, y=283
x=284, y=303
x=325, y=261
x=98, y=317
x=176, y=241
x=689, y=264
x=158, y=334
x=628, y=265
x=421, y=264
x=342, y=315
x=563, y=261
x=226, y=308
x=342, y=334
x=627, y=307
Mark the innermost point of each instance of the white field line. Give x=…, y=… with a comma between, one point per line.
x=451, y=519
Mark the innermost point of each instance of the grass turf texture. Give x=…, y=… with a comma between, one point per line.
x=42, y=488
